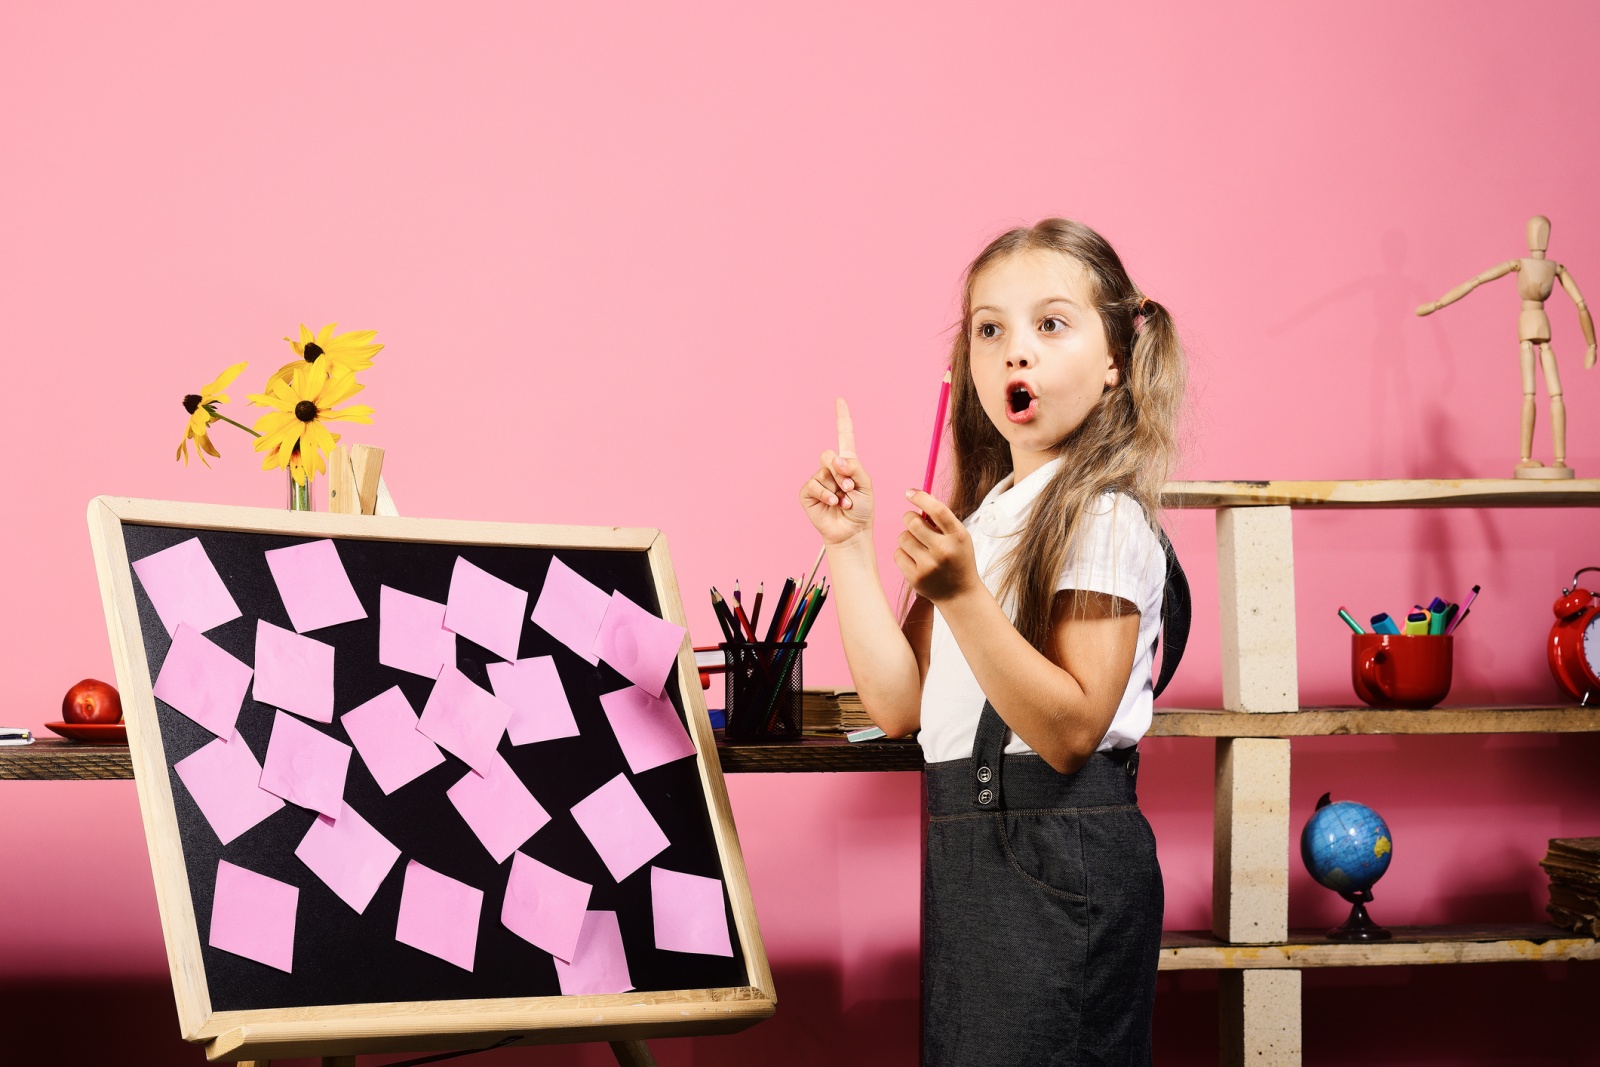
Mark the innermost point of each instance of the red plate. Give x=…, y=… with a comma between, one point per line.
x=96, y=733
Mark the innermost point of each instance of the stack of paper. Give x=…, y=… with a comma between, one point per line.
x=1573, y=864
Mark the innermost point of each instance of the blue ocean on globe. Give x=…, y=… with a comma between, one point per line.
x=1346, y=846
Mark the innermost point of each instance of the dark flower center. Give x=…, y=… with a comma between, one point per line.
x=191, y=402
x=313, y=350
x=305, y=411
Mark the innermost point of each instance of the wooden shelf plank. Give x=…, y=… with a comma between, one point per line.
x=1501, y=943
x=1323, y=722
x=1387, y=493
x=56, y=759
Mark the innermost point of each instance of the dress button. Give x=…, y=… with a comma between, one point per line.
x=986, y=796
x=984, y=774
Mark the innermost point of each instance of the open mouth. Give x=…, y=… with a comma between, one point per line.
x=1020, y=403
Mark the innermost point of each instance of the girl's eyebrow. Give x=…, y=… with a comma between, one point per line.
x=1046, y=302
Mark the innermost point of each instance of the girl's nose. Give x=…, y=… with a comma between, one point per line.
x=1018, y=358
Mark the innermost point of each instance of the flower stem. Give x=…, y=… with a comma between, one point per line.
x=212, y=408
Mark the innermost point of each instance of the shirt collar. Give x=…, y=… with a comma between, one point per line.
x=1011, y=498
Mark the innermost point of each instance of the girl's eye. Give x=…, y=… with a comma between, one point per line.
x=988, y=331
x=1053, y=325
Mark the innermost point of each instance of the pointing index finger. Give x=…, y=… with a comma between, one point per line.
x=847, y=430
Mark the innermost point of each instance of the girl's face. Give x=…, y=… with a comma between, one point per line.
x=1039, y=354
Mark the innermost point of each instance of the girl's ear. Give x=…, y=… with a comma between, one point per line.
x=1112, y=374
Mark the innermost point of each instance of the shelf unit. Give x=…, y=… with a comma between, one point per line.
x=1260, y=959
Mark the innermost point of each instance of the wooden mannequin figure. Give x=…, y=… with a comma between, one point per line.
x=1536, y=278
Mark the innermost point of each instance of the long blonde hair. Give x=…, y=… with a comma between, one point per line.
x=1127, y=443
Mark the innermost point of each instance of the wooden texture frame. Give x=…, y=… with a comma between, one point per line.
x=391, y=1027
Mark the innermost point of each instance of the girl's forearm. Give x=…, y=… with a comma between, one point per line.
x=881, y=660
x=1042, y=703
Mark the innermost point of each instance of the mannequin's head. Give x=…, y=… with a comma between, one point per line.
x=1538, y=236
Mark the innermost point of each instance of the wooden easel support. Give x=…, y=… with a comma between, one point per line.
x=356, y=487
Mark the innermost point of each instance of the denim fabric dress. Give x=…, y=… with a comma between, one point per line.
x=1042, y=906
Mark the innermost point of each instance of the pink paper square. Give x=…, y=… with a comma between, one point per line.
x=315, y=589
x=350, y=856
x=570, y=609
x=184, y=587
x=411, y=634
x=689, y=913
x=294, y=673
x=498, y=808
x=384, y=731
x=647, y=728
x=305, y=766
x=619, y=827
x=532, y=687
x=253, y=916
x=439, y=915
x=221, y=776
x=201, y=680
x=638, y=645
x=464, y=720
x=544, y=907
x=486, y=610
x=599, y=963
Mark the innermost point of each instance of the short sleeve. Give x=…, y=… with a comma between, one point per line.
x=1117, y=554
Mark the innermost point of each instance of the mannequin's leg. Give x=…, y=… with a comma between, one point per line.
x=1526, y=458
x=1558, y=408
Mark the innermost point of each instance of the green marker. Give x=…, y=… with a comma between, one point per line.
x=1348, y=621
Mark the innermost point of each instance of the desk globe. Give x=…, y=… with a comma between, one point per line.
x=1346, y=846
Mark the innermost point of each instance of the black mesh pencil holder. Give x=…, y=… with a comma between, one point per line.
x=764, y=694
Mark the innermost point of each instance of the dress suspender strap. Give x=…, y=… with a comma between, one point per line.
x=988, y=753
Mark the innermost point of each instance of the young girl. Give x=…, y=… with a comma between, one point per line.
x=1024, y=662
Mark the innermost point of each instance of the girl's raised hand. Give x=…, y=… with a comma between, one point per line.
x=838, y=497
x=935, y=551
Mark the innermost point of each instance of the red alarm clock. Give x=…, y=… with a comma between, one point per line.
x=1575, y=642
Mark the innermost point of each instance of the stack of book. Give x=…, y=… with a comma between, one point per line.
x=832, y=711
x=1573, y=864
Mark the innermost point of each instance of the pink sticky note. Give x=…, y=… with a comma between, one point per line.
x=439, y=915
x=350, y=856
x=202, y=681
x=221, y=776
x=411, y=634
x=647, y=728
x=315, y=590
x=184, y=587
x=544, y=907
x=532, y=687
x=294, y=673
x=498, y=807
x=253, y=916
x=619, y=827
x=305, y=766
x=484, y=609
x=384, y=730
x=689, y=914
x=599, y=963
x=571, y=608
x=638, y=645
x=464, y=720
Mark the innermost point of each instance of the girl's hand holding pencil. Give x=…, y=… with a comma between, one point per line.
x=935, y=551
x=838, y=497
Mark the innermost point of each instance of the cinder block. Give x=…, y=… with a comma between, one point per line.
x=1250, y=872
x=1255, y=590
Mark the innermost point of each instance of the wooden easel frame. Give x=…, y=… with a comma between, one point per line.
x=334, y=1031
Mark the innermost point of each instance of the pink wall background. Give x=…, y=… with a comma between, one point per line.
x=623, y=259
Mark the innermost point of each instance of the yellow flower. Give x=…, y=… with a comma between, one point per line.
x=302, y=405
x=350, y=351
x=201, y=416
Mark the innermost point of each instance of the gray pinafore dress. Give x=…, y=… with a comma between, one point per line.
x=1042, y=906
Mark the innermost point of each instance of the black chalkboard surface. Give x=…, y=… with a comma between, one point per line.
x=370, y=990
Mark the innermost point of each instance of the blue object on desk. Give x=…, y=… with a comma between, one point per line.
x=719, y=718
x=1382, y=624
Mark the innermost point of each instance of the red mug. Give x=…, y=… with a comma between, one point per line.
x=1400, y=670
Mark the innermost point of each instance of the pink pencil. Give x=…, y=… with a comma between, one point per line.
x=938, y=433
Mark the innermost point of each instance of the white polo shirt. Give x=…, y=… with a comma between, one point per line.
x=1121, y=557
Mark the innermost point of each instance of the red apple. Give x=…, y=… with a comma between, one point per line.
x=92, y=701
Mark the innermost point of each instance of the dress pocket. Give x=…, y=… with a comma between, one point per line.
x=1046, y=850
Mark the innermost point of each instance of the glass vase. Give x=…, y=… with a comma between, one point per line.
x=299, y=495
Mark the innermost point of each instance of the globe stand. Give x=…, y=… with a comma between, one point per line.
x=1359, y=927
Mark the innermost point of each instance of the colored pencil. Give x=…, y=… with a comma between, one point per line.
x=938, y=432
x=716, y=609
x=755, y=608
x=780, y=609
x=731, y=625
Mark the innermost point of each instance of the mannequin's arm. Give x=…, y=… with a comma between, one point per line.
x=1466, y=287
x=1584, y=319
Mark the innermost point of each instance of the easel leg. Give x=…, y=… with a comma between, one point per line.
x=632, y=1054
